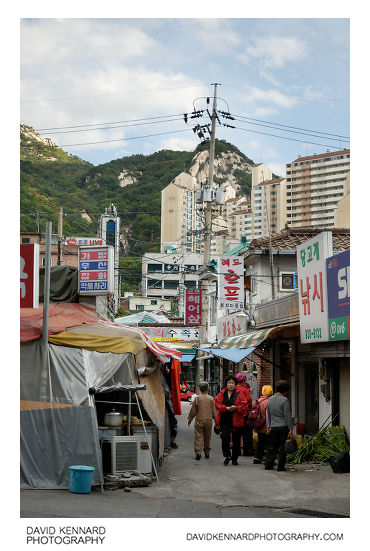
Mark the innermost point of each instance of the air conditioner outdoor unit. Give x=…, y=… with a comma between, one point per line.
x=126, y=453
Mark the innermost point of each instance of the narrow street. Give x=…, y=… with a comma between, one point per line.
x=205, y=489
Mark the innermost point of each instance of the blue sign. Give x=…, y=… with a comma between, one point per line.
x=93, y=286
x=338, y=290
x=98, y=265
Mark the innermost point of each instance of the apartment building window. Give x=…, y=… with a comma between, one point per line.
x=188, y=268
x=154, y=268
x=140, y=307
x=25, y=240
x=171, y=284
x=190, y=284
x=154, y=284
x=153, y=302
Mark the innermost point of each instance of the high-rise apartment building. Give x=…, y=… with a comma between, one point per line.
x=268, y=202
x=315, y=184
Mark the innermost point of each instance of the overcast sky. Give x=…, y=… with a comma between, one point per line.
x=292, y=72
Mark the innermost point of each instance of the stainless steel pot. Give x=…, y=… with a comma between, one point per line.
x=113, y=418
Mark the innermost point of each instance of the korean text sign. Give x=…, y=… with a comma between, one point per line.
x=96, y=270
x=338, y=279
x=312, y=287
x=29, y=275
x=193, y=306
x=231, y=282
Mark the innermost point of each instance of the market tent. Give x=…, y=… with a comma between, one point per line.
x=233, y=355
x=58, y=419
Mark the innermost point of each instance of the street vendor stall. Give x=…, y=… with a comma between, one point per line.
x=65, y=401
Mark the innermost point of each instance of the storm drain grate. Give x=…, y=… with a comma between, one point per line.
x=316, y=513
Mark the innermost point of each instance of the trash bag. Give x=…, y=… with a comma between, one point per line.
x=340, y=462
x=290, y=445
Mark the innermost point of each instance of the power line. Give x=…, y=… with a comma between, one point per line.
x=289, y=126
x=110, y=127
x=316, y=135
x=113, y=122
x=286, y=138
x=145, y=91
x=323, y=98
x=126, y=139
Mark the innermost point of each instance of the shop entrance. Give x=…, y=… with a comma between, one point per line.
x=311, y=400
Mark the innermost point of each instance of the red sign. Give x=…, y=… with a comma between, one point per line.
x=193, y=306
x=29, y=275
x=71, y=241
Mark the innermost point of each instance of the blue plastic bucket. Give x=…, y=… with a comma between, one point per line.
x=80, y=479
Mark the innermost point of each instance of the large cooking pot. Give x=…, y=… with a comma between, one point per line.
x=113, y=418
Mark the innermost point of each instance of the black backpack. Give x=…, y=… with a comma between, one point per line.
x=340, y=462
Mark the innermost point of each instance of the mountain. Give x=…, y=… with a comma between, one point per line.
x=51, y=178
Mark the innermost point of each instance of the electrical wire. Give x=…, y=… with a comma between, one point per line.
x=289, y=126
x=294, y=131
x=126, y=139
x=286, y=138
x=110, y=127
x=113, y=122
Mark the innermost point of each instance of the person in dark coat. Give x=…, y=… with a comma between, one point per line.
x=263, y=432
x=279, y=420
x=232, y=406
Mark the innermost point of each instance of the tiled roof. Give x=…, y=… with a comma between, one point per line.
x=322, y=155
x=232, y=199
x=289, y=238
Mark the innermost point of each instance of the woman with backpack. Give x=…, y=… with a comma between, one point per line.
x=259, y=424
x=232, y=406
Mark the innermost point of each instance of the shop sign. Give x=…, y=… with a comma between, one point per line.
x=231, y=282
x=312, y=287
x=193, y=306
x=96, y=270
x=87, y=241
x=29, y=275
x=171, y=334
x=338, y=280
x=228, y=326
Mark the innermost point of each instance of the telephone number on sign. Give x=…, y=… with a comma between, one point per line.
x=313, y=333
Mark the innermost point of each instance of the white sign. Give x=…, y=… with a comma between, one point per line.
x=231, y=282
x=96, y=270
x=88, y=241
x=232, y=325
x=312, y=287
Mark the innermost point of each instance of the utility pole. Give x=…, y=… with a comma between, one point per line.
x=207, y=234
x=45, y=317
x=60, y=235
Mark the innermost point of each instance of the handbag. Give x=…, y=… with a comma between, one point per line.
x=290, y=445
x=216, y=429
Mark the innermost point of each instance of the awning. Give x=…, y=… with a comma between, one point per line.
x=233, y=355
x=254, y=338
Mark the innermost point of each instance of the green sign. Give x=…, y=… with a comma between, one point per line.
x=338, y=329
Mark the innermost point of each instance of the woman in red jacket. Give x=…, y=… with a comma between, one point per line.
x=232, y=406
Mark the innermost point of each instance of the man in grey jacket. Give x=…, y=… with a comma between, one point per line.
x=279, y=420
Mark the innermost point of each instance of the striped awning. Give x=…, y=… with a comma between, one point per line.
x=254, y=338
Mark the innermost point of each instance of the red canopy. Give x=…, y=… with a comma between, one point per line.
x=62, y=316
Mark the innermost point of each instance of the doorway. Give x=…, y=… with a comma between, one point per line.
x=311, y=399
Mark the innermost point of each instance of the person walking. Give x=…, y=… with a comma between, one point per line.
x=262, y=431
x=279, y=419
x=203, y=409
x=232, y=406
x=247, y=431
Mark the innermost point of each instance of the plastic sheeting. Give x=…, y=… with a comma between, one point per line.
x=58, y=419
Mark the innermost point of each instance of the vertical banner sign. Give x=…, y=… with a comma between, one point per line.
x=312, y=288
x=29, y=275
x=231, y=282
x=193, y=306
x=96, y=270
x=338, y=279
